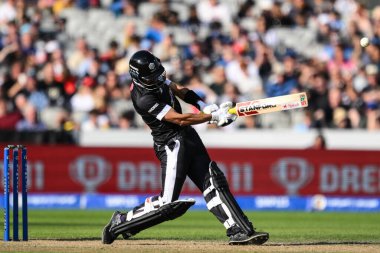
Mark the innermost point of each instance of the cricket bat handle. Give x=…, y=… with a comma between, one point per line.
x=232, y=110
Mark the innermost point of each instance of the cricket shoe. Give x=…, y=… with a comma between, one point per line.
x=239, y=237
x=107, y=236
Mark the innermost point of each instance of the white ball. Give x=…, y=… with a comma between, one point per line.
x=364, y=42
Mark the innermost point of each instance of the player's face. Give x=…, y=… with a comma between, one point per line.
x=155, y=79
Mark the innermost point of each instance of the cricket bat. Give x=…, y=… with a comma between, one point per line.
x=272, y=104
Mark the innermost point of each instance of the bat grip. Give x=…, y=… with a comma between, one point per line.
x=232, y=110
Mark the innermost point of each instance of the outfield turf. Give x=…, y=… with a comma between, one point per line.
x=284, y=227
x=198, y=231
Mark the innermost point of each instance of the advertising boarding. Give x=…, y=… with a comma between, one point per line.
x=250, y=172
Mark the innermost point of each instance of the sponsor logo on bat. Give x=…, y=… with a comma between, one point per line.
x=303, y=99
x=254, y=107
x=291, y=105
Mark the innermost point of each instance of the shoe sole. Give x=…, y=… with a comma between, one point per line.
x=105, y=231
x=253, y=240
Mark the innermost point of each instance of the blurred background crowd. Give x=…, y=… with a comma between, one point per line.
x=64, y=63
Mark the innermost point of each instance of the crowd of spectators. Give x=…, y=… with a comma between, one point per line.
x=48, y=84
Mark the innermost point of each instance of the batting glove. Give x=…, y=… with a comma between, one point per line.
x=208, y=109
x=222, y=117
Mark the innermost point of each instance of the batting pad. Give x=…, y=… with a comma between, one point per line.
x=224, y=199
x=167, y=211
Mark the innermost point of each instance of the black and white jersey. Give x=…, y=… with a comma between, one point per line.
x=153, y=106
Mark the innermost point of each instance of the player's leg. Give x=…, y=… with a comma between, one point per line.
x=174, y=168
x=218, y=197
x=159, y=208
x=211, y=181
x=151, y=213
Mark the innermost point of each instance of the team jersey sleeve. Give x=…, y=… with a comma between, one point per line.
x=150, y=104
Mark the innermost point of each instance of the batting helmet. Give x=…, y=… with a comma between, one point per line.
x=146, y=70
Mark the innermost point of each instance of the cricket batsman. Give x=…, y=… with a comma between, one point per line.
x=181, y=153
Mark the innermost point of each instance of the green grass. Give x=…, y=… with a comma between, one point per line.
x=284, y=227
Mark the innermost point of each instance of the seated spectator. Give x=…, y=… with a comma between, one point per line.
x=83, y=101
x=166, y=50
x=371, y=97
x=341, y=119
x=154, y=32
x=193, y=22
x=246, y=9
x=214, y=10
x=7, y=11
x=185, y=74
x=126, y=7
x=90, y=64
x=130, y=35
x=170, y=16
x=30, y=121
x=36, y=97
x=127, y=120
x=231, y=93
x=52, y=86
x=341, y=62
x=279, y=84
x=318, y=102
x=112, y=53
x=278, y=17
x=95, y=120
x=244, y=73
x=78, y=55
x=219, y=80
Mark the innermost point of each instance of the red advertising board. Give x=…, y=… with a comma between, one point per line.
x=68, y=169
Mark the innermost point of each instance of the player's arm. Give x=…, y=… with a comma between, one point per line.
x=165, y=112
x=178, y=90
x=211, y=113
x=186, y=119
x=187, y=95
x=221, y=117
x=161, y=111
